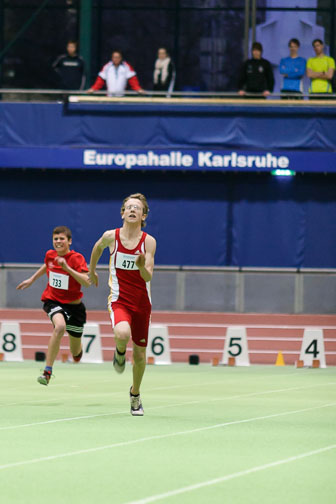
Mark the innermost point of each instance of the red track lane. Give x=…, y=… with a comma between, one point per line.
x=195, y=332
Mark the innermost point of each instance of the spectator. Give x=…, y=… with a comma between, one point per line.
x=70, y=68
x=164, y=72
x=320, y=70
x=256, y=75
x=116, y=74
x=293, y=69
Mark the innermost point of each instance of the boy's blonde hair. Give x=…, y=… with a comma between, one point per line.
x=143, y=200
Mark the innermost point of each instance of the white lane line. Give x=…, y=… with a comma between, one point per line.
x=47, y=400
x=161, y=436
x=99, y=415
x=228, y=477
x=222, y=325
x=203, y=384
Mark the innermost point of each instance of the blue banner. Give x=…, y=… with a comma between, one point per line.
x=166, y=159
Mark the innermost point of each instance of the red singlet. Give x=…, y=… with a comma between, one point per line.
x=127, y=285
x=61, y=286
x=129, y=299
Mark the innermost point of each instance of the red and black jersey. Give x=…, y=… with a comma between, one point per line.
x=61, y=286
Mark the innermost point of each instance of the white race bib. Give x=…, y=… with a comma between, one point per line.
x=126, y=261
x=58, y=281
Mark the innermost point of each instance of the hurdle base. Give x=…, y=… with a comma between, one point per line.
x=231, y=361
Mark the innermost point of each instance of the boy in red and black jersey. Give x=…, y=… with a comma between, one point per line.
x=67, y=272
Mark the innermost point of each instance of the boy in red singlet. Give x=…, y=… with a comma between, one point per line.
x=67, y=272
x=131, y=268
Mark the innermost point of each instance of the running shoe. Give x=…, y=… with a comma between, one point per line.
x=136, y=406
x=78, y=357
x=119, y=366
x=44, y=378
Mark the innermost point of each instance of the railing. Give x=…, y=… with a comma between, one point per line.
x=196, y=269
x=196, y=288
x=75, y=95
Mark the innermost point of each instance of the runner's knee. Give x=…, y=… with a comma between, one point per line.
x=59, y=328
x=139, y=354
x=122, y=333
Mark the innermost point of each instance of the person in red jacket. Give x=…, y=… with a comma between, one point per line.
x=116, y=75
x=131, y=270
x=67, y=272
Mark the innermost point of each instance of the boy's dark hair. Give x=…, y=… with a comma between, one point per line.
x=258, y=46
x=317, y=40
x=294, y=41
x=63, y=229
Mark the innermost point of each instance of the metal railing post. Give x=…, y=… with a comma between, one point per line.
x=85, y=39
x=246, y=28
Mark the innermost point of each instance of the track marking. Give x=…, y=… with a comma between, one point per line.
x=223, y=325
x=303, y=373
x=99, y=415
x=205, y=384
x=228, y=477
x=162, y=436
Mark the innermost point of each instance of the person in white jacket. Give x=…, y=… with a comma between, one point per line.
x=116, y=75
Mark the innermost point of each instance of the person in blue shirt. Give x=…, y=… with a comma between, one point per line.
x=293, y=69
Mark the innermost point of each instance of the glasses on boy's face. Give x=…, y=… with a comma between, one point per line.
x=135, y=207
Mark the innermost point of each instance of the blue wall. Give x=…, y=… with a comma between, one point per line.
x=238, y=219
x=199, y=217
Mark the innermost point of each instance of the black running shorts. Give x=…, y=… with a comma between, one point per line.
x=74, y=315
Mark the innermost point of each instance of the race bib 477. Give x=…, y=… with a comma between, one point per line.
x=126, y=261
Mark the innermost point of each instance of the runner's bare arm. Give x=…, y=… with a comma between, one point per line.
x=145, y=262
x=29, y=281
x=107, y=240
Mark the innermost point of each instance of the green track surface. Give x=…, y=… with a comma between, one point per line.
x=262, y=434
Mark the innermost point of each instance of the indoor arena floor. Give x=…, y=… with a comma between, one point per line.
x=258, y=434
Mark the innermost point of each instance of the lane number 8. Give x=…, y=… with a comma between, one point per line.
x=9, y=342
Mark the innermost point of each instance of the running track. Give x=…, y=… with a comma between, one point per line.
x=201, y=333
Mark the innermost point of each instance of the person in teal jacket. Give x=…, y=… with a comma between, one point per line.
x=293, y=69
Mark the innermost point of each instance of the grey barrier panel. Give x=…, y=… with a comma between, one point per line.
x=3, y=287
x=163, y=290
x=319, y=294
x=210, y=291
x=257, y=291
x=269, y=293
x=27, y=298
x=95, y=298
